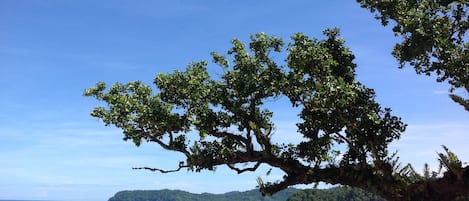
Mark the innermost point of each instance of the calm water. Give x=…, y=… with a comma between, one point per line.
x=29, y=200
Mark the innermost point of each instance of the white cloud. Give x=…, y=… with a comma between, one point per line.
x=438, y=92
x=421, y=142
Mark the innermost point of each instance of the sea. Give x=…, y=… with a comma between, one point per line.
x=40, y=200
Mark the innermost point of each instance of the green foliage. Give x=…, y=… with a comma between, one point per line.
x=434, y=37
x=451, y=163
x=434, y=41
x=460, y=100
x=319, y=78
x=223, y=120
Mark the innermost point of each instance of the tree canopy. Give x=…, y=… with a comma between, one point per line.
x=222, y=121
x=434, y=38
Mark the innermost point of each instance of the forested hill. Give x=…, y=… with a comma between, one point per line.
x=177, y=195
x=334, y=194
x=291, y=194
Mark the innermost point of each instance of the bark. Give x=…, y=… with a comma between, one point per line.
x=446, y=188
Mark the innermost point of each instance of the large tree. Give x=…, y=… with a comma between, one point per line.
x=222, y=120
x=434, y=38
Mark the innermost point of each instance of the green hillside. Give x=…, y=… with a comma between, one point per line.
x=291, y=194
x=177, y=195
x=334, y=194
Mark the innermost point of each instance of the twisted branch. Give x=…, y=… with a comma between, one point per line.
x=239, y=171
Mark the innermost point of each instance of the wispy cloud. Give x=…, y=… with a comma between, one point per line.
x=441, y=92
x=421, y=142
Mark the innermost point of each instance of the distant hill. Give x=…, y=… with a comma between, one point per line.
x=334, y=194
x=178, y=195
x=290, y=194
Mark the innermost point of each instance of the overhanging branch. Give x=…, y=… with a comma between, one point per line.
x=181, y=165
x=239, y=171
x=156, y=169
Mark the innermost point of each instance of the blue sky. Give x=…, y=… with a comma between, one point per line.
x=50, y=51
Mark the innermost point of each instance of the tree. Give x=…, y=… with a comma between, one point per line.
x=222, y=120
x=433, y=36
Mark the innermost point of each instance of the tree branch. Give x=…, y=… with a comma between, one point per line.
x=231, y=136
x=263, y=140
x=181, y=165
x=166, y=146
x=239, y=171
x=271, y=188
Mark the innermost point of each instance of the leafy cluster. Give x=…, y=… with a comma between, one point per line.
x=434, y=37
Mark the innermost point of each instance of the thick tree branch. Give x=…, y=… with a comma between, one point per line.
x=445, y=188
x=270, y=189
